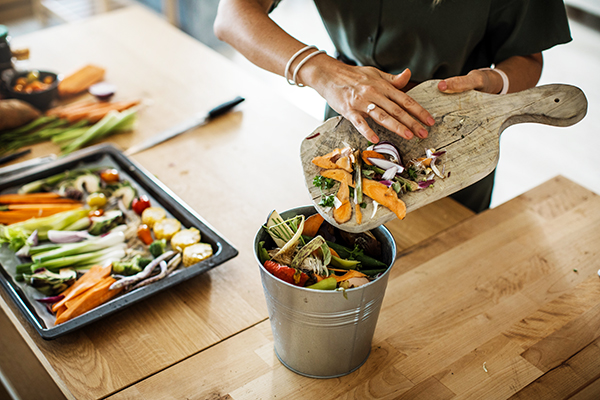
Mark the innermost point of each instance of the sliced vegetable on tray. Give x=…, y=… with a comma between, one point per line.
x=102, y=239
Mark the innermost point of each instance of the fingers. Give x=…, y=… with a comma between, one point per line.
x=401, y=123
x=474, y=80
x=401, y=80
x=363, y=127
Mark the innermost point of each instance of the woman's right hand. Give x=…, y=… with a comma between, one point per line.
x=360, y=92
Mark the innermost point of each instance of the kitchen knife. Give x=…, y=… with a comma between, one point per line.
x=184, y=127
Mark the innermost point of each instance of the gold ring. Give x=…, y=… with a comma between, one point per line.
x=370, y=107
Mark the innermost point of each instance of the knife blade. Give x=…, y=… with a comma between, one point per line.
x=184, y=126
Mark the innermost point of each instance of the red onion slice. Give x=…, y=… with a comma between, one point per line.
x=389, y=149
x=56, y=236
x=426, y=184
x=389, y=174
x=386, y=164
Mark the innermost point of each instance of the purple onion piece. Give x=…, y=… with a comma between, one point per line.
x=386, y=182
x=389, y=174
x=426, y=184
x=56, y=236
x=385, y=164
x=52, y=299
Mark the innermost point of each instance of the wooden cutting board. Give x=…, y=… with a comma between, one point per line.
x=467, y=126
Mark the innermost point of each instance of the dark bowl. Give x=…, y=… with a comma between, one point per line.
x=41, y=99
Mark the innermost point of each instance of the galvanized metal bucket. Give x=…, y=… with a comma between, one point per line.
x=324, y=334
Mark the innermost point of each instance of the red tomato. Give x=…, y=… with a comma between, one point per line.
x=110, y=175
x=140, y=204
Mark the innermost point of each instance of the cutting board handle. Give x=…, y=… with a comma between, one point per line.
x=555, y=104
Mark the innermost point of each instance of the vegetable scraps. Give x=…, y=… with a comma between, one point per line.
x=301, y=256
x=377, y=172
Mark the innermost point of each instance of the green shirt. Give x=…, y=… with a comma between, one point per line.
x=445, y=40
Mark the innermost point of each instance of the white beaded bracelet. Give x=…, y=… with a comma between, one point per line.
x=289, y=63
x=308, y=57
x=504, y=77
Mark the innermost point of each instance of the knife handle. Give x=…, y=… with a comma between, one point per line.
x=225, y=107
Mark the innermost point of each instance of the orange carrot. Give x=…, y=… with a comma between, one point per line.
x=350, y=274
x=61, y=111
x=43, y=206
x=88, y=300
x=89, y=279
x=366, y=154
x=35, y=198
x=312, y=225
x=97, y=115
x=343, y=213
x=11, y=217
x=358, y=214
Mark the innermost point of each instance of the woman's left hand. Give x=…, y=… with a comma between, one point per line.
x=483, y=81
x=523, y=72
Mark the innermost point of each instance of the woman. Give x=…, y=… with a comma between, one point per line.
x=387, y=46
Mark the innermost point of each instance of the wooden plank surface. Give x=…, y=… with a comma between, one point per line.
x=501, y=305
x=233, y=172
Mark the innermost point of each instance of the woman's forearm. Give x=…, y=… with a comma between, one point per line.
x=246, y=25
x=523, y=72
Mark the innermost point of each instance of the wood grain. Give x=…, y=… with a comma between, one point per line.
x=488, y=308
x=468, y=127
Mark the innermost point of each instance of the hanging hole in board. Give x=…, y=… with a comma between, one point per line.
x=556, y=100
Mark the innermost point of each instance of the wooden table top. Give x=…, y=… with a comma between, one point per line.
x=497, y=305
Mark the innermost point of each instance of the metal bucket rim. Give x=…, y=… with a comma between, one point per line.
x=326, y=292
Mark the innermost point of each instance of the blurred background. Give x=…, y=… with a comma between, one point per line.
x=530, y=154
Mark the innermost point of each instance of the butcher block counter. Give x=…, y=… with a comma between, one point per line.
x=503, y=304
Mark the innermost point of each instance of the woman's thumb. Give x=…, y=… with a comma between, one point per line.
x=401, y=80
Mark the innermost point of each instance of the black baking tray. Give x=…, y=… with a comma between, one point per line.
x=108, y=155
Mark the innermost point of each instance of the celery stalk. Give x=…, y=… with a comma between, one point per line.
x=115, y=252
x=86, y=246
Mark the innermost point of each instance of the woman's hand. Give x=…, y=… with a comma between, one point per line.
x=523, y=73
x=360, y=92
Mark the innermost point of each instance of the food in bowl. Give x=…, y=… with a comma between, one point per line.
x=33, y=82
x=38, y=88
x=309, y=252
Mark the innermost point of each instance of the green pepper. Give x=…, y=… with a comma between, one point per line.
x=325, y=284
x=263, y=254
x=366, y=261
x=344, y=264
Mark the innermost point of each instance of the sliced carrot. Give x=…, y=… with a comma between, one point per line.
x=96, y=115
x=15, y=198
x=98, y=294
x=339, y=175
x=325, y=161
x=62, y=111
x=358, y=214
x=425, y=161
x=385, y=196
x=89, y=279
x=343, y=213
x=334, y=253
x=57, y=206
x=352, y=273
x=312, y=225
x=366, y=154
x=344, y=163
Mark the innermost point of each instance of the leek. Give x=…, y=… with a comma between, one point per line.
x=95, y=257
x=86, y=246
